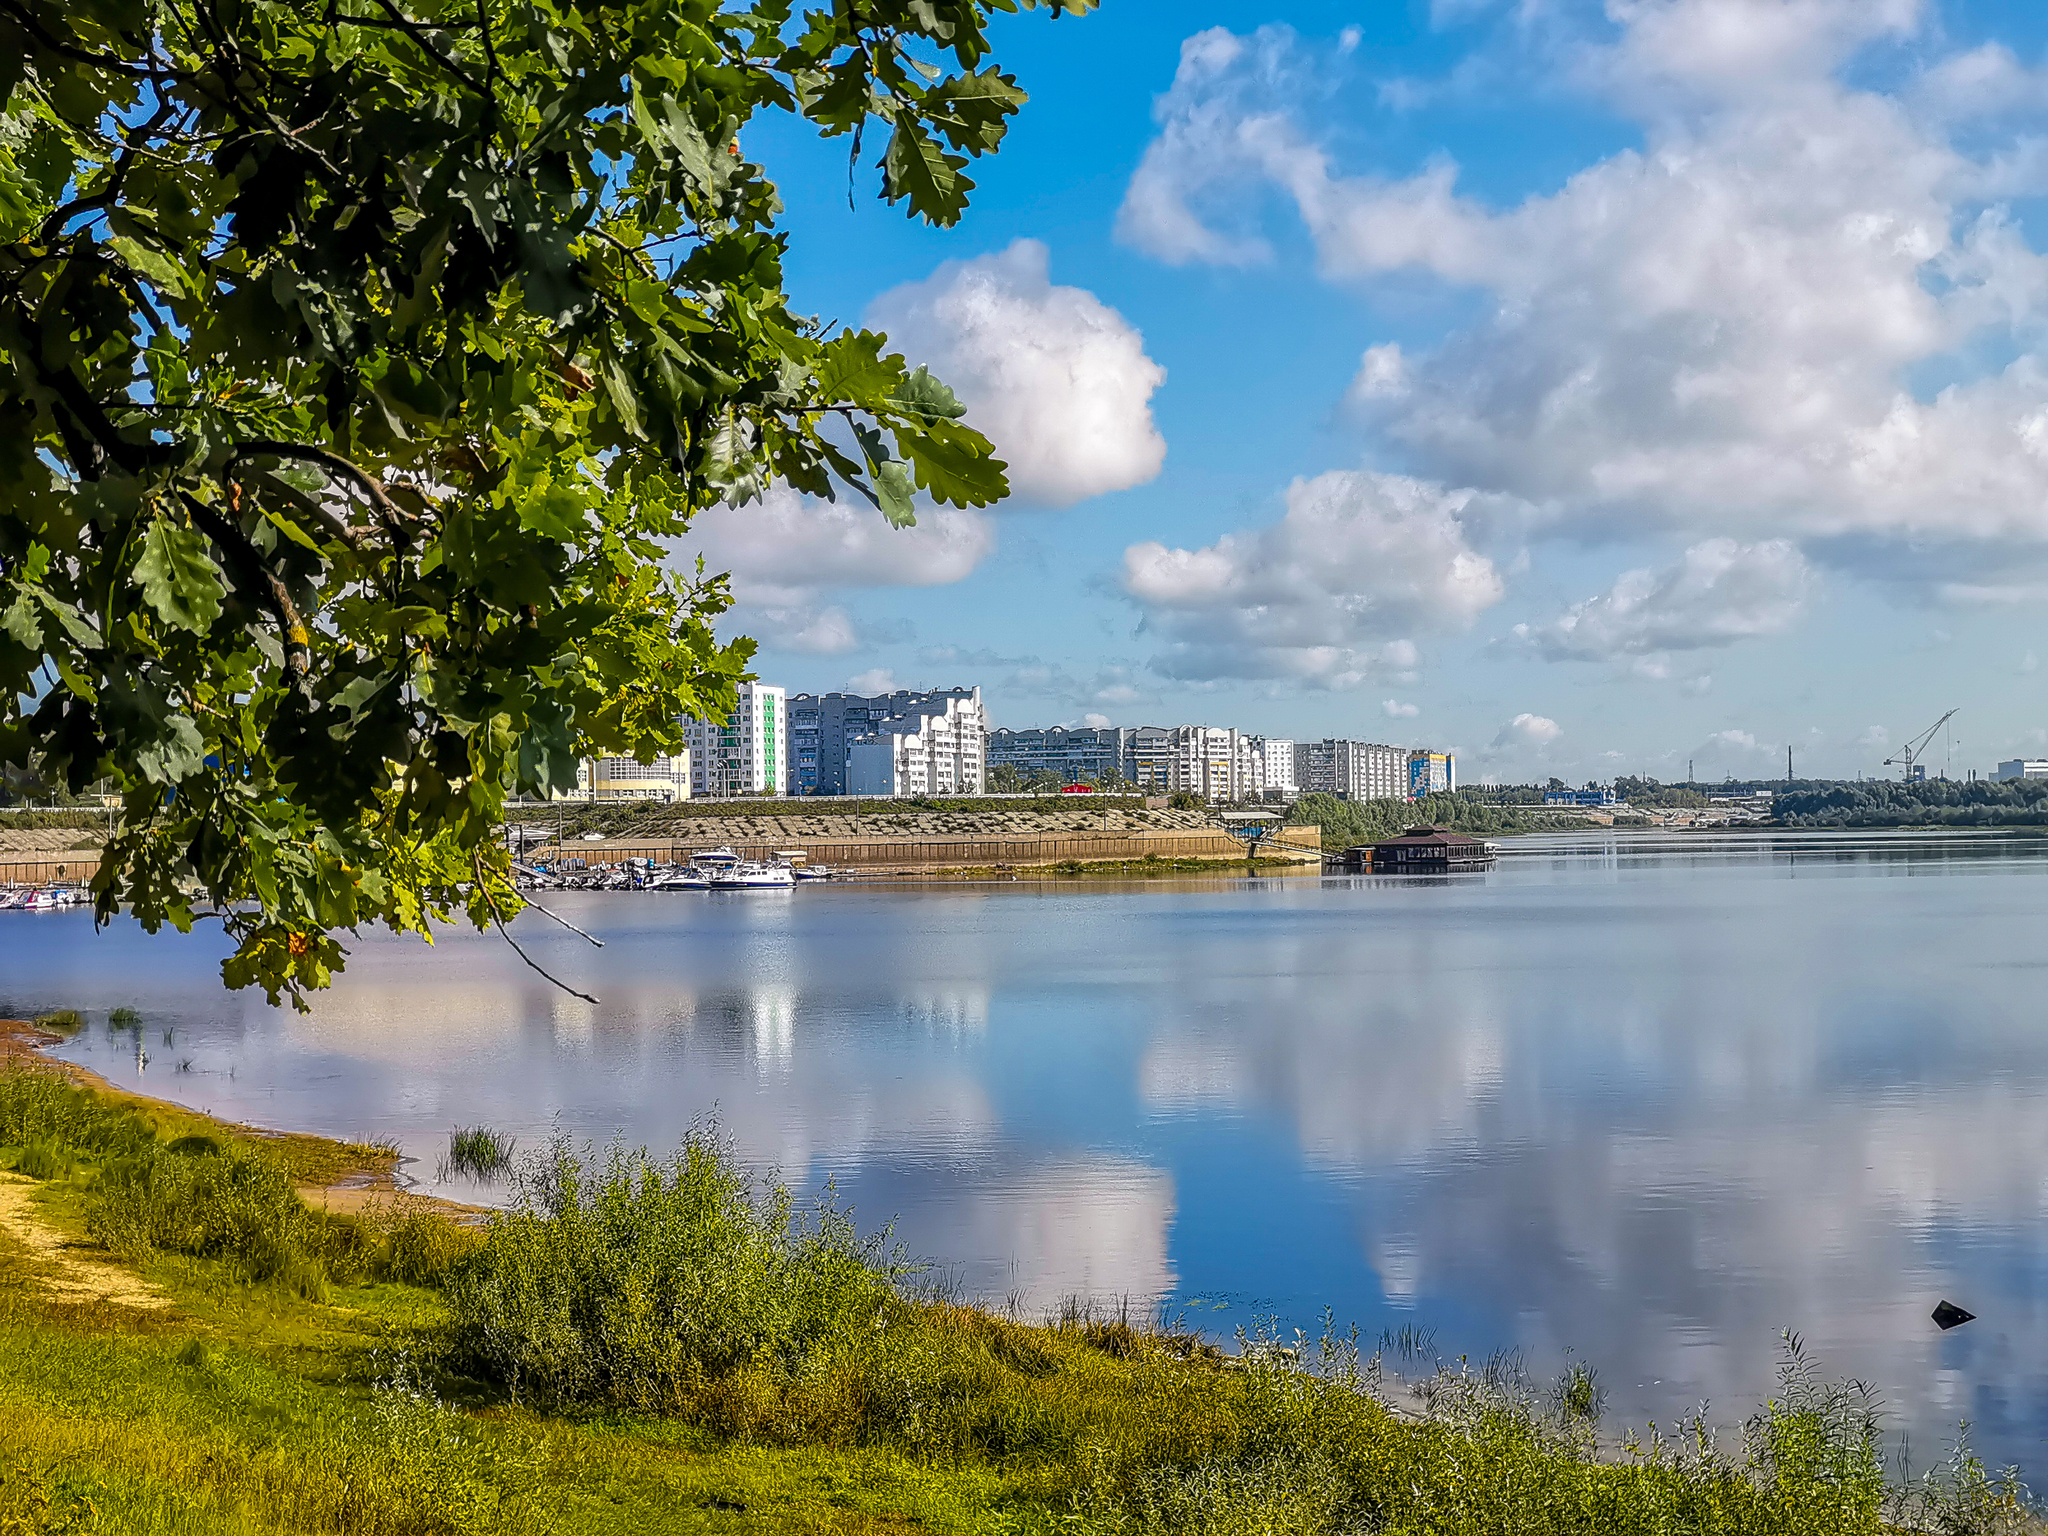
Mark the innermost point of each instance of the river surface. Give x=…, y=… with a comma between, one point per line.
x=1646, y=1099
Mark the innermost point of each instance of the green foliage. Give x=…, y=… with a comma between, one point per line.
x=424, y=1249
x=151, y=1436
x=1006, y=779
x=43, y=1160
x=39, y=1104
x=357, y=365
x=62, y=1021
x=1348, y=823
x=230, y=1204
x=624, y=1282
x=195, y=1195
x=52, y=821
x=478, y=1152
x=1934, y=803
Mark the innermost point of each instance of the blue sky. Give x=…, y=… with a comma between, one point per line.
x=1587, y=388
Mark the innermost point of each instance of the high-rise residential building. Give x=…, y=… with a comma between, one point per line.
x=928, y=751
x=1275, y=765
x=1206, y=760
x=1431, y=773
x=626, y=778
x=1083, y=752
x=822, y=727
x=1355, y=770
x=746, y=753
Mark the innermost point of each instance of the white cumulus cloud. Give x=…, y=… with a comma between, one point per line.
x=1328, y=596
x=1727, y=332
x=1719, y=592
x=788, y=554
x=1527, y=730
x=1394, y=709
x=1057, y=379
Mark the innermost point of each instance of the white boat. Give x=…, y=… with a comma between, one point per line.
x=745, y=875
x=688, y=878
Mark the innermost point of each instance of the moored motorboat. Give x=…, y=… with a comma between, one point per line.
x=746, y=875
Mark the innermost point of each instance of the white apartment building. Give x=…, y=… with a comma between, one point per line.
x=744, y=754
x=1356, y=770
x=1275, y=765
x=1207, y=760
x=940, y=748
x=626, y=778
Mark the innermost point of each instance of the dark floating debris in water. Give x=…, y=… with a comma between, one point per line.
x=1948, y=1315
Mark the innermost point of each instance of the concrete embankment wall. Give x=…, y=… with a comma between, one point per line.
x=877, y=855
x=869, y=854
x=64, y=869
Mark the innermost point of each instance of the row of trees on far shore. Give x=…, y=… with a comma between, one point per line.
x=1936, y=802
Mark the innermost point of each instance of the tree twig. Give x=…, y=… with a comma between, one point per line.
x=484, y=889
x=394, y=516
x=22, y=17
x=544, y=912
x=298, y=641
x=417, y=32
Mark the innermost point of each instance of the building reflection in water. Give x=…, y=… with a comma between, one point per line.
x=1648, y=1100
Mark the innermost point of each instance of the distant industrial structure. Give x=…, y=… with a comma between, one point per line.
x=2024, y=768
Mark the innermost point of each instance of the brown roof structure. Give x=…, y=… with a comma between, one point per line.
x=1433, y=835
x=1423, y=849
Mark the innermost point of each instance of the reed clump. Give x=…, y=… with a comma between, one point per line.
x=478, y=1152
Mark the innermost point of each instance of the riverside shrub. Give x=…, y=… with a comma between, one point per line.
x=631, y=1282
x=227, y=1203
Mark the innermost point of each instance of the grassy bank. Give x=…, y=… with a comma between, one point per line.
x=650, y=1345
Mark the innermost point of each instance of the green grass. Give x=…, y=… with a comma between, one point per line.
x=478, y=1152
x=668, y=1346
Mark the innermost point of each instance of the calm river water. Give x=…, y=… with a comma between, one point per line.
x=1647, y=1099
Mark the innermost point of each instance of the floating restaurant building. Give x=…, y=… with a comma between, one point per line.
x=1421, y=851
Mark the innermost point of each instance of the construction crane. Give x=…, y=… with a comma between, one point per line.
x=1909, y=754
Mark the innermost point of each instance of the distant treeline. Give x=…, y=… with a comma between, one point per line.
x=1936, y=803
x=1347, y=823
